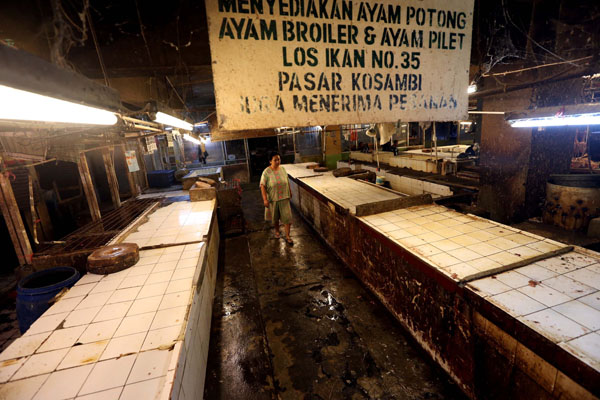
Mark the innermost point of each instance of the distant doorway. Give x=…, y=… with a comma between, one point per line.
x=259, y=149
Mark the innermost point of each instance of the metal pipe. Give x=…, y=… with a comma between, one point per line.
x=246, y=149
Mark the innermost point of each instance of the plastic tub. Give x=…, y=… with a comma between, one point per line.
x=35, y=291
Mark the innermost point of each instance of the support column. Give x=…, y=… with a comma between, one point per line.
x=14, y=222
x=130, y=177
x=113, y=184
x=142, y=162
x=40, y=205
x=88, y=187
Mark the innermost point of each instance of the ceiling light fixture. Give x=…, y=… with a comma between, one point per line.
x=557, y=120
x=191, y=138
x=20, y=105
x=167, y=119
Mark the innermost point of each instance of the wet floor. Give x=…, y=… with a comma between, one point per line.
x=294, y=323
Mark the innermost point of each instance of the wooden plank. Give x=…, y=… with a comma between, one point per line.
x=13, y=219
x=11, y=230
x=111, y=175
x=40, y=204
x=88, y=187
x=362, y=210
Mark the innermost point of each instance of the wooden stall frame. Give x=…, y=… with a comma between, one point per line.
x=88, y=186
x=14, y=221
x=111, y=175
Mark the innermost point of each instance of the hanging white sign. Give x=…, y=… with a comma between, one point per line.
x=131, y=159
x=307, y=62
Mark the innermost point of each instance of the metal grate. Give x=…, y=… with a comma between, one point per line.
x=98, y=233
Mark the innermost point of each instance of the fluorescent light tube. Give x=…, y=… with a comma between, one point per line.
x=191, y=139
x=567, y=120
x=166, y=119
x=21, y=105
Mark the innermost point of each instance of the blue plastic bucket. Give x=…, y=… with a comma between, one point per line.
x=35, y=291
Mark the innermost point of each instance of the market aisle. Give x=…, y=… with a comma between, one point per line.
x=294, y=323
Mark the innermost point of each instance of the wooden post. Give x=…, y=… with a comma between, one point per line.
x=40, y=205
x=14, y=222
x=113, y=184
x=142, y=162
x=130, y=177
x=88, y=187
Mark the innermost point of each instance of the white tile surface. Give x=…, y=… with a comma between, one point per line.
x=108, y=374
x=113, y=311
x=24, y=389
x=39, y=364
x=9, y=368
x=111, y=394
x=84, y=354
x=142, y=306
x=65, y=305
x=62, y=338
x=489, y=286
x=559, y=327
x=592, y=300
x=161, y=337
x=143, y=390
x=81, y=317
x=580, y=313
x=569, y=286
x=169, y=317
x=135, y=324
x=122, y=295
x=483, y=245
x=103, y=323
x=150, y=364
x=517, y=303
x=46, y=323
x=63, y=384
x=24, y=346
x=176, y=299
x=119, y=346
x=587, y=348
x=545, y=295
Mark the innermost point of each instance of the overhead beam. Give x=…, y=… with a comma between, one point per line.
x=24, y=71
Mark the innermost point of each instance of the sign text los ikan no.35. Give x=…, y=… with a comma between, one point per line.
x=327, y=62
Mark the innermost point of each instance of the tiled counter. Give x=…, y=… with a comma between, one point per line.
x=141, y=333
x=405, y=184
x=506, y=313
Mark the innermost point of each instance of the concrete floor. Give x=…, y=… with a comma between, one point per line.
x=294, y=323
